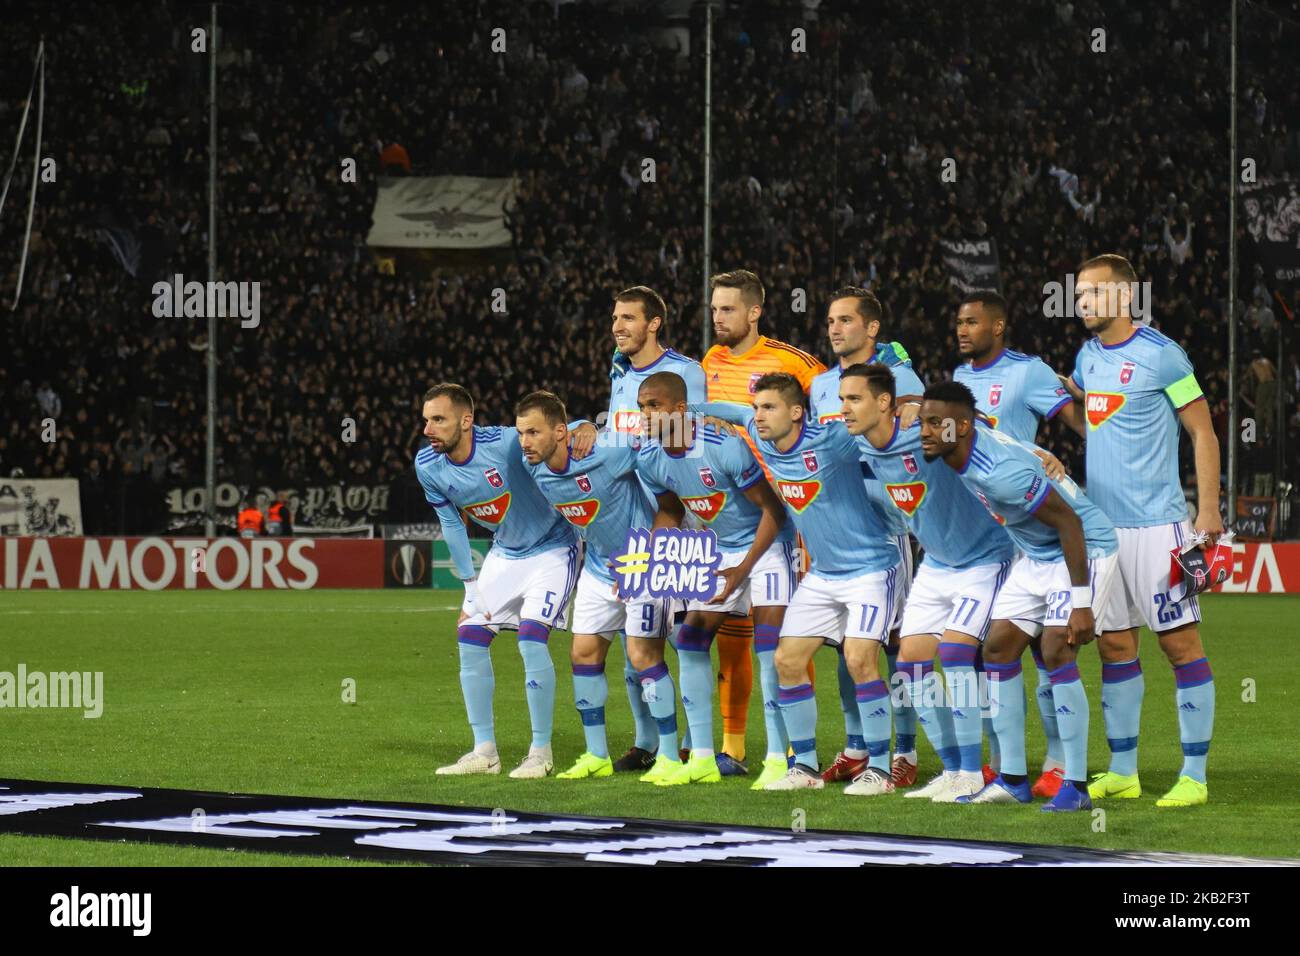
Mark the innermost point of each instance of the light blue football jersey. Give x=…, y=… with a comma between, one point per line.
x=624, y=415
x=1133, y=393
x=601, y=496
x=1009, y=478
x=820, y=479
x=711, y=479
x=1016, y=391
x=494, y=487
x=952, y=525
x=827, y=407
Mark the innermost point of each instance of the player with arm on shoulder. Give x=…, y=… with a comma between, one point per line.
x=967, y=558
x=732, y=366
x=848, y=594
x=602, y=498
x=695, y=469
x=1065, y=569
x=527, y=576
x=1016, y=392
x=638, y=318
x=1139, y=388
x=853, y=323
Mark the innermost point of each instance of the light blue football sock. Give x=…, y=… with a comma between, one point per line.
x=477, y=682
x=590, y=691
x=1122, y=690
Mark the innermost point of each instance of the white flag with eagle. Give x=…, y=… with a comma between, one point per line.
x=441, y=212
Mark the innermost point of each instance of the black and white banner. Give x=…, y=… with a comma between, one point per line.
x=39, y=507
x=338, y=507
x=1271, y=208
x=441, y=212
x=972, y=264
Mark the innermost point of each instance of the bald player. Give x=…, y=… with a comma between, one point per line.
x=739, y=359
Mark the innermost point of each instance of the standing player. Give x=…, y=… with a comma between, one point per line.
x=732, y=367
x=1068, y=555
x=602, y=498
x=638, y=319
x=1138, y=386
x=527, y=577
x=847, y=596
x=1015, y=392
x=715, y=477
x=967, y=557
x=853, y=323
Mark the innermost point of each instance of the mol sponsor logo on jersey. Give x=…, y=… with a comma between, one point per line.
x=705, y=507
x=907, y=496
x=1100, y=406
x=579, y=513
x=490, y=512
x=799, y=494
x=831, y=417
x=627, y=421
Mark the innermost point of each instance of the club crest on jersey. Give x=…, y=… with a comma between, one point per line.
x=1099, y=406
x=995, y=395
x=494, y=478
x=908, y=496
x=753, y=380
x=584, y=482
x=490, y=512
x=1126, y=373
x=799, y=494
x=810, y=460
x=706, y=476
x=909, y=463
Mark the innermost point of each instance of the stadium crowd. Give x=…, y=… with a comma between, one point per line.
x=827, y=171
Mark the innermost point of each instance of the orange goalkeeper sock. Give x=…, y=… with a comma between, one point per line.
x=735, y=682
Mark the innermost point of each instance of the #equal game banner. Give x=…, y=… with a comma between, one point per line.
x=441, y=212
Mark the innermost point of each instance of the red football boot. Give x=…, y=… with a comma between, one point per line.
x=903, y=772
x=989, y=775
x=843, y=769
x=1049, y=783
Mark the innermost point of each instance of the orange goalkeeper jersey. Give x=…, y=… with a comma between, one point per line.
x=731, y=378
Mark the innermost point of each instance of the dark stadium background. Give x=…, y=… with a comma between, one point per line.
x=825, y=173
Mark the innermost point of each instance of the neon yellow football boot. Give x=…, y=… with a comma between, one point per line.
x=1113, y=785
x=774, y=768
x=664, y=766
x=695, y=770
x=588, y=765
x=1186, y=793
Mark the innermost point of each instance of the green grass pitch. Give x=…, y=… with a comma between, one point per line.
x=243, y=691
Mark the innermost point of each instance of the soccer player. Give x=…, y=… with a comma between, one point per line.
x=1015, y=392
x=602, y=498
x=639, y=314
x=1068, y=555
x=967, y=557
x=853, y=323
x=848, y=594
x=527, y=577
x=698, y=470
x=1137, y=387
x=732, y=367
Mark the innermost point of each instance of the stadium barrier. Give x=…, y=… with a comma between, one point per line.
x=153, y=564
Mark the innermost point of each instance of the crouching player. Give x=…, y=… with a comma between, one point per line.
x=694, y=467
x=967, y=558
x=848, y=594
x=1066, y=568
x=527, y=577
x=602, y=498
